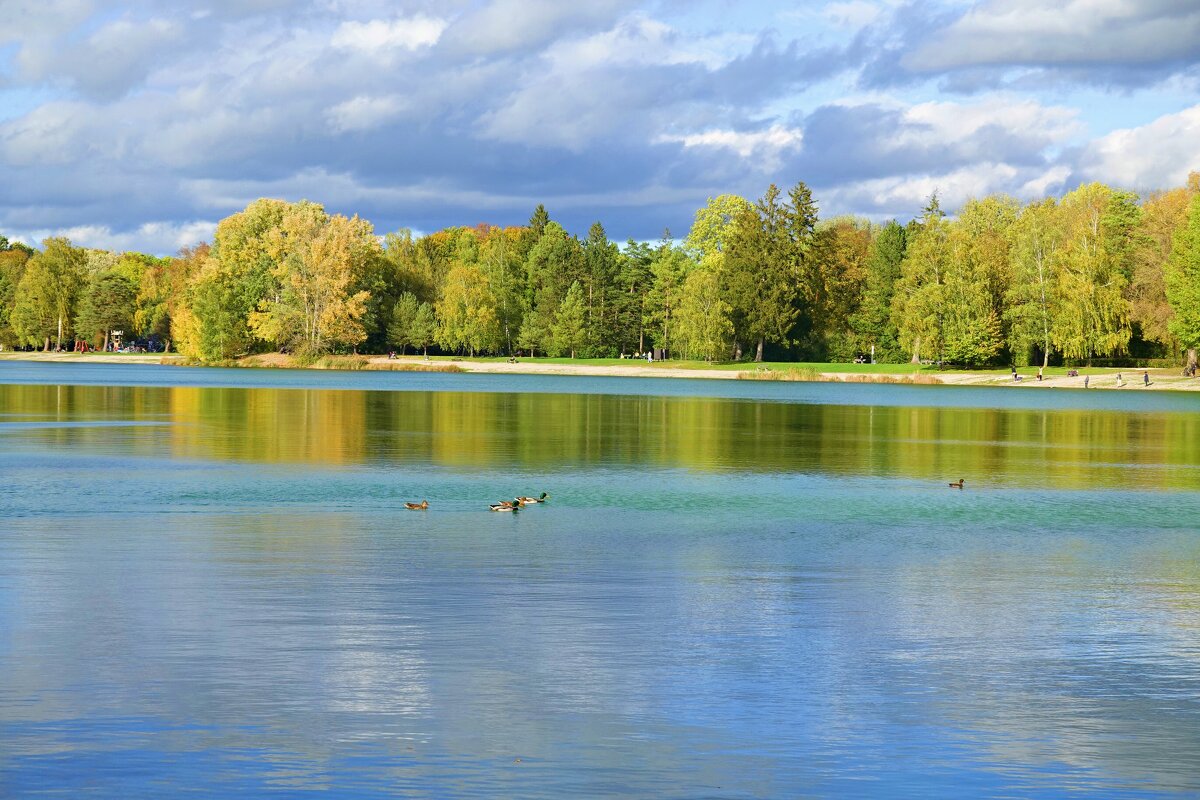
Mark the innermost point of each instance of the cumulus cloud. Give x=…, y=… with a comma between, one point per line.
x=1032, y=32
x=1157, y=155
x=142, y=121
x=150, y=237
x=379, y=37
x=765, y=146
x=364, y=113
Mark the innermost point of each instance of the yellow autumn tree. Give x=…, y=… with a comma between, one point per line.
x=315, y=258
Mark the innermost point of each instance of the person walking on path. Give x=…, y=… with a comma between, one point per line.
x=1085, y=381
x=1120, y=382
x=1146, y=378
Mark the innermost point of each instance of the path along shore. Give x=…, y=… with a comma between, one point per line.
x=1106, y=378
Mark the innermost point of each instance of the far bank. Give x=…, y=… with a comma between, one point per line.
x=1106, y=378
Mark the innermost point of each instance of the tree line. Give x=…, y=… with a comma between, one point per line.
x=1097, y=273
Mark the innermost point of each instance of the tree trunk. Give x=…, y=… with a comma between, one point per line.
x=105, y=345
x=1191, y=359
x=167, y=346
x=737, y=351
x=916, y=359
x=46, y=346
x=758, y=354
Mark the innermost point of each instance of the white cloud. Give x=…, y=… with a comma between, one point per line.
x=380, y=37
x=1158, y=155
x=157, y=238
x=1070, y=33
x=364, y=113
x=638, y=39
x=767, y=145
x=46, y=135
x=888, y=194
x=951, y=121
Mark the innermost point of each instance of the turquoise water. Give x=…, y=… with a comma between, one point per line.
x=208, y=583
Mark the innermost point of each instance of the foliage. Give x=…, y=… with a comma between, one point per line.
x=769, y=276
x=713, y=226
x=702, y=325
x=467, y=311
x=1093, y=275
x=107, y=305
x=872, y=322
x=45, y=299
x=568, y=333
x=1183, y=279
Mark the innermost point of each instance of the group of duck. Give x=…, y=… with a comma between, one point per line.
x=516, y=504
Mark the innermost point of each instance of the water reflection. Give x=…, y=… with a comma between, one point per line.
x=217, y=588
x=479, y=430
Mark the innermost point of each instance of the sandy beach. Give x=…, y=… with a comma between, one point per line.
x=1106, y=379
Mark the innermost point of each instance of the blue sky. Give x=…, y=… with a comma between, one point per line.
x=139, y=125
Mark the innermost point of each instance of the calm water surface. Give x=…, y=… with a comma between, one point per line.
x=207, y=583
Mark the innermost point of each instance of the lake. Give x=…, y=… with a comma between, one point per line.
x=208, y=582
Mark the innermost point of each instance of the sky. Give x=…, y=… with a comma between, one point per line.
x=139, y=125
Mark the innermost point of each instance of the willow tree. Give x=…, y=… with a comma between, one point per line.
x=1031, y=303
x=702, y=325
x=404, y=316
x=970, y=323
x=12, y=268
x=669, y=268
x=918, y=304
x=44, y=303
x=1095, y=314
x=1183, y=282
x=467, y=311
x=500, y=259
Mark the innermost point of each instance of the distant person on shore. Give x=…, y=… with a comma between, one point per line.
x=1146, y=378
x=649, y=356
x=1085, y=381
x=1039, y=373
x=1120, y=382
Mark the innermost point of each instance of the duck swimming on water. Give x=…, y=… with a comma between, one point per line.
x=506, y=505
x=958, y=485
x=527, y=500
x=421, y=506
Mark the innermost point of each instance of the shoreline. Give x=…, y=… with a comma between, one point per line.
x=1162, y=379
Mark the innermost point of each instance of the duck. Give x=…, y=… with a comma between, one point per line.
x=506, y=505
x=542, y=499
x=958, y=485
x=421, y=506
